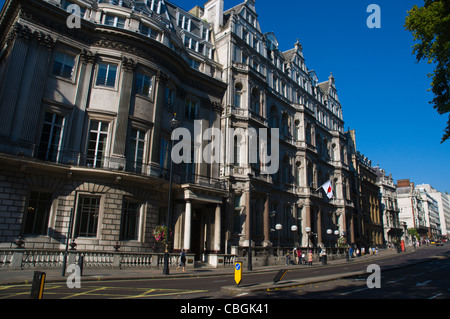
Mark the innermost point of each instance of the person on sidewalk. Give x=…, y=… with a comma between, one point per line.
x=310, y=258
x=288, y=257
x=182, y=260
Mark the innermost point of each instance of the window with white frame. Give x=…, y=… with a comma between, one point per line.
x=63, y=64
x=184, y=22
x=136, y=148
x=106, y=75
x=114, y=21
x=143, y=84
x=50, y=141
x=97, y=144
x=148, y=31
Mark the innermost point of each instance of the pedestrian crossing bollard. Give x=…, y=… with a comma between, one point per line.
x=37, y=288
x=279, y=275
x=238, y=273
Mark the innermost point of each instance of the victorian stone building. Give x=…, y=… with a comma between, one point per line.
x=271, y=89
x=85, y=124
x=393, y=230
x=87, y=94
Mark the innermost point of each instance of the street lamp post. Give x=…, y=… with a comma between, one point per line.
x=294, y=229
x=173, y=124
x=308, y=231
x=329, y=232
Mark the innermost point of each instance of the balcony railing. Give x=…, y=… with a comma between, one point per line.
x=180, y=176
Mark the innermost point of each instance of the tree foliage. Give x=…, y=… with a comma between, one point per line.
x=430, y=26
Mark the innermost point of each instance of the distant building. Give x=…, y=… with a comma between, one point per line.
x=368, y=221
x=443, y=204
x=410, y=203
x=393, y=230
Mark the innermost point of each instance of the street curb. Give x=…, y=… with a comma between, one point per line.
x=268, y=286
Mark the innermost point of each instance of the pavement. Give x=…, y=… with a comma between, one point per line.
x=25, y=276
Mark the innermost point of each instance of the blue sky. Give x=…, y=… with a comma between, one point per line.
x=381, y=87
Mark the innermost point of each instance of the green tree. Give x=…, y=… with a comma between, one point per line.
x=430, y=26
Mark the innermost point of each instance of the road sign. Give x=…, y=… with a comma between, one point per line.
x=238, y=272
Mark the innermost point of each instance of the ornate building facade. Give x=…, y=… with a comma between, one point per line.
x=85, y=134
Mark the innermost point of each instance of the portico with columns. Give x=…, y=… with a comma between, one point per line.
x=198, y=221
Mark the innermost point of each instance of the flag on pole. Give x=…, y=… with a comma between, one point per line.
x=328, y=189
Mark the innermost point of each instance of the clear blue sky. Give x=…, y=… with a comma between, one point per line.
x=381, y=87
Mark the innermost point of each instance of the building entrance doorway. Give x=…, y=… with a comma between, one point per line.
x=196, y=235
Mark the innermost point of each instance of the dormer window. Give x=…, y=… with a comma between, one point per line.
x=114, y=21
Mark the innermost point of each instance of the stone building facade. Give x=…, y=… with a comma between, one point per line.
x=393, y=229
x=268, y=89
x=85, y=116
x=85, y=134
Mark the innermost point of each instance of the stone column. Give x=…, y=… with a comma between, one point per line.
x=319, y=226
x=217, y=228
x=187, y=226
x=86, y=69
x=120, y=137
x=10, y=85
x=266, y=221
x=155, y=143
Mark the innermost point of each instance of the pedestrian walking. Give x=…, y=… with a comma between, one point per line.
x=303, y=258
x=310, y=258
x=288, y=257
x=182, y=260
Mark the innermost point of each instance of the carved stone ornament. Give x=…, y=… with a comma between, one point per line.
x=19, y=30
x=128, y=64
x=88, y=57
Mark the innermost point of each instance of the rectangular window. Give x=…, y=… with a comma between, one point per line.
x=143, y=84
x=130, y=221
x=63, y=65
x=237, y=219
x=169, y=98
x=164, y=154
x=87, y=216
x=114, y=21
x=194, y=64
x=106, y=75
x=37, y=213
x=190, y=110
x=147, y=31
x=50, y=142
x=98, y=139
x=135, y=157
